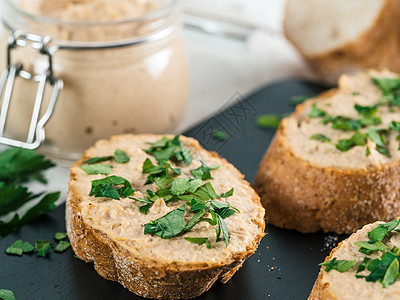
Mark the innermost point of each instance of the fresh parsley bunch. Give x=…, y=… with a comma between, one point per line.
x=18, y=166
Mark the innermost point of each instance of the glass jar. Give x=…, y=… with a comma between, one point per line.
x=123, y=74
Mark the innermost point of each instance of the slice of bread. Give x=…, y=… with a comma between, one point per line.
x=341, y=36
x=110, y=233
x=308, y=185
x=335, y=285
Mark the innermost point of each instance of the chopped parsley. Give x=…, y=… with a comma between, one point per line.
x=377, y=135
x=93, y=165
x=6, y=295
x=112, y=187
x=43, y=248
x=121, y=157
x=60, y=236
x=320, y=137
x=203, y=172
x=295, y=100
x=19, y=247
x=268, y=121
x=316, y=112
x=62, y=246
x=157, y=172
x=170, y=149
x=199, y=241
x=395, y=126
x=390, y=88
x=338, y=265
x=355, y=93
x=219, y=135
x=97, y=169
x=170, y=225
x=384, y=269
x=357, y=139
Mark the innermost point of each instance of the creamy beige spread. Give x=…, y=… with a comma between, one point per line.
x=135, y=89
x=300, y=129
x=345, y=285
x=122, y=221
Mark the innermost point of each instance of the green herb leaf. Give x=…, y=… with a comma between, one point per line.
x=224, y=229
x=6, y=295
x=219, y=135
x=19, y=165
x=342, y=123
x=120, y=156
x=367, y=151
x=97, y=169
x=198, y=240
x=320, y=137
x=357, y=139
x=43, y=248
x=62, y=246
x=338, y=265
x=169, y=225
x=14, y=251
x=363, y=265
x=268, y=121
x=295, y=100
x=379, y=268
x=47, y=203
x=355, y=93
x=12, y=197
x=371, y=246
x=392, y=273
x=95, y=160
x=390, y=88
x=206, y=192
x=166, y=149
x=379, y=233
x=60, y=236
x=316, y=112
x=227, y=194
x=108, y=187
x=183, y=185
x=377, y=136
x=203, y=172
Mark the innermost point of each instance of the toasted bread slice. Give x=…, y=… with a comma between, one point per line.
x=335, y=285
x=337, y=37
x=308, y=185
x=110, y=233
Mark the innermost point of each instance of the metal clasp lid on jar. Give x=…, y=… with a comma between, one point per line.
x=36, y=134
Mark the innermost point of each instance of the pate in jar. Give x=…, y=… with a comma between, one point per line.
x=122, y=62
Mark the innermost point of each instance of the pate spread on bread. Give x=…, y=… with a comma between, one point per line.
x=112, y=233
x=334, y=164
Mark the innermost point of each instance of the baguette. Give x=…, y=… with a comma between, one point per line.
x=110, y=233
x=309, y=185
x=341, y=36
x=335, y=285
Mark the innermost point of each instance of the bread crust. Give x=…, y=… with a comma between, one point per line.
x=299, y=195
x=150, y=279
x=321, y=291
x=377, y=47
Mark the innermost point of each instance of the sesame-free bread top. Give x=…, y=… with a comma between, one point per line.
x=175, y=265
x=351, y=90
x=300, y=178
x=334, y=285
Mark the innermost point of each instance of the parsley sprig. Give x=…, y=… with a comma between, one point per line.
x=18, y=166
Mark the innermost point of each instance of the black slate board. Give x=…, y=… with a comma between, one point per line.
x=285, y=265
